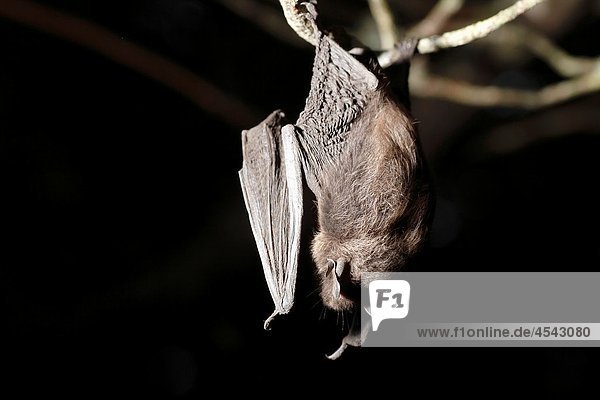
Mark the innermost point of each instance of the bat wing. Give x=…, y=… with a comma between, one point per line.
x=341, y=88
x=275, y=155
x=271, y=182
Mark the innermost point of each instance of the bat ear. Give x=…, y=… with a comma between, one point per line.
x=330, y=266
x=341, y=267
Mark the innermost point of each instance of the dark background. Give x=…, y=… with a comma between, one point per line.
x=127, y=264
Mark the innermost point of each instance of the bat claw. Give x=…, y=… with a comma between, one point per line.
x=268, y=320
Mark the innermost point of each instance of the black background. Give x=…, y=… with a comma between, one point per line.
x=127, y=262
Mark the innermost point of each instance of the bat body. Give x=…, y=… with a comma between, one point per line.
x=373, y=204
x=356, y=148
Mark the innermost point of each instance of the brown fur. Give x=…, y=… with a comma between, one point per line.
x=374, y=203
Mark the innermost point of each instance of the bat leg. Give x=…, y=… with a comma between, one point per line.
x=355, y=337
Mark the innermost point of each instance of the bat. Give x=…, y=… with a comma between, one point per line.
x=356, y=147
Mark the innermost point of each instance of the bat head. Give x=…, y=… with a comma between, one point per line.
x=340, y=263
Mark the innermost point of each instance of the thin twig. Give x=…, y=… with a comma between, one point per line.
x=475, y=31
x=563, y=63
x=384, y=19
x=464, y=35
x=425, y=85
x=204, y=94
x=298, y=20
x=580, y=117
x=436, y=19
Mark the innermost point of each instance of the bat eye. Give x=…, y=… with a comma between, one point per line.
x=330, y=266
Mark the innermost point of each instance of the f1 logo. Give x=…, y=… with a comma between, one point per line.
x=389, y=300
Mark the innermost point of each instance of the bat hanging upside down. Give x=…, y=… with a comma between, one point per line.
x=356, y=146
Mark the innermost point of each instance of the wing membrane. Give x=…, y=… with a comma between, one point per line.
x=341, y=87
x=272, y=186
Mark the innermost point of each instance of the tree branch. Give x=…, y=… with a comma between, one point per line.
x=563, y=63
x=513, y=136
x=436, y=19
x=461, y=36
x=298, y=20
x=425, y=85
x=388, y=33
x=475, y=31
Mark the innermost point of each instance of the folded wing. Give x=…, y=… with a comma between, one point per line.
x=271, y=182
